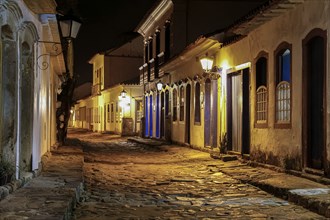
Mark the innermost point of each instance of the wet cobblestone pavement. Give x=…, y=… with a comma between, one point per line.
x=127, y=180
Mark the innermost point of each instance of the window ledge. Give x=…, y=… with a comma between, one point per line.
x=260, y=125
x=282, y=125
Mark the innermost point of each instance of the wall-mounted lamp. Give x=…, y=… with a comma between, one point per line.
x=123, y=94
x=68, y=29
x=207, y=63
x=159, y=86
x=69, y=26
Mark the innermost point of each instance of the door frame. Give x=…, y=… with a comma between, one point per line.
x=245, y=133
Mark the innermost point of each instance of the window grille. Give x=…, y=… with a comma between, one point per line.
x=283, y=102
x=261, y=106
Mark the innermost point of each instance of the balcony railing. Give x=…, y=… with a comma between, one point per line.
x=96, y=89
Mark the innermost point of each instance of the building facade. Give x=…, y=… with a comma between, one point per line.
x=265, y=97
x=169, y=29
x=281, y=95
x=29, y=79
x=108, y=109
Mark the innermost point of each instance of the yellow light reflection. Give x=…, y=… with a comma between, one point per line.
x=124, y=103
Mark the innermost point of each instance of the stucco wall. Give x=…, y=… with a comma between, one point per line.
x=31, y=133
x=279, y=146
x=189, y=68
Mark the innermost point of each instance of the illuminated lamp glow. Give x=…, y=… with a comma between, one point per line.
x=206, y=63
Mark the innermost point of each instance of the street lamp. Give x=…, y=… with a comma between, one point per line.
x=123, y=94
x=159, y=86
x=207, y=63
x=69, y=26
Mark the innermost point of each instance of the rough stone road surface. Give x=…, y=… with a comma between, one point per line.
x=127, y=180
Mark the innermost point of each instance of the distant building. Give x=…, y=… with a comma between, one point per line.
x=108, y=109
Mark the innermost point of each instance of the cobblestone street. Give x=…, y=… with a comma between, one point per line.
x=127, y=180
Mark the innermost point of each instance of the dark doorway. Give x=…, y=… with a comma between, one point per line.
x=167, y=116
x=187, y=122
x=207, y=113
x=246, y=112
x=146, y=117
x=150, y=116
x=314, y=57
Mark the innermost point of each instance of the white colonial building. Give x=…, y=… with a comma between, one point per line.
x=29, y=79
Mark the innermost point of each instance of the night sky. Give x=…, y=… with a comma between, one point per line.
x=109, y=23
x=106, y=24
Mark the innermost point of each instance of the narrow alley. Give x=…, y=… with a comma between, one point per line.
x=127, y=180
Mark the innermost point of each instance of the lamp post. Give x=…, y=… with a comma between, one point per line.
x=68, y=28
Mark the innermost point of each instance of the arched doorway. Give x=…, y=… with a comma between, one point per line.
x=26, y=107
x=9, y=94
x=314, y=71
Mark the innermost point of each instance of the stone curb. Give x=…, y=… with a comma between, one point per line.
x=11, y=187
x=315, y=203
x=53, y=194
x=14, y=185
x=151, y=142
